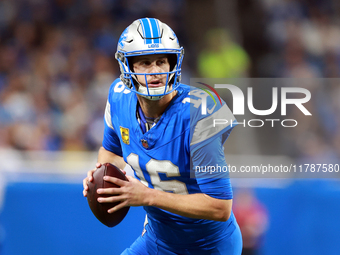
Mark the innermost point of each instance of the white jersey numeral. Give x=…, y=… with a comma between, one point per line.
x=133, y=161
x=119, y=87
x=154, y=167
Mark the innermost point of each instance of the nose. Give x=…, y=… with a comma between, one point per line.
x=154, y=68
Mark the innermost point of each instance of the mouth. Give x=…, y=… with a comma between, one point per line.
x=155, y=83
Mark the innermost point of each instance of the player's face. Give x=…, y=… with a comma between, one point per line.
x=151, y=64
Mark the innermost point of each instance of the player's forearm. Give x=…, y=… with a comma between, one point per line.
x=105, y=156
x=200, y=206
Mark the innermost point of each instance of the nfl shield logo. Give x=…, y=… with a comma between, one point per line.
x=145, y=143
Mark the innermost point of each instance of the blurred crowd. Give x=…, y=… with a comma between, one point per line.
x=304, y=38
x=304, y=41
x=56, y=66
x=57, y=63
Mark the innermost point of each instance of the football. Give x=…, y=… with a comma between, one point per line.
x=100, y=209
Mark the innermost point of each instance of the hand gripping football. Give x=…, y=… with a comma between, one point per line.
x=100, y=209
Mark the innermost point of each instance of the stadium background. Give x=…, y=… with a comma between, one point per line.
x=56, y=65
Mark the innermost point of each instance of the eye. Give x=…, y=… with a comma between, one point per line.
x=145, y=63
x=162, y=61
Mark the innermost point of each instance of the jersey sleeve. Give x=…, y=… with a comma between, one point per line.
x=216, y=120
x=211, y=170
x=111, y=140
x=209, y=129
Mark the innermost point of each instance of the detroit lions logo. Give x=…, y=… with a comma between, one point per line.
x=122, y=38
x=174, y=36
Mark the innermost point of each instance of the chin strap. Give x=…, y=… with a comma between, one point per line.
x=152, y=91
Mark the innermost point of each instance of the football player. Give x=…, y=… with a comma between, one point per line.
x=156, y=125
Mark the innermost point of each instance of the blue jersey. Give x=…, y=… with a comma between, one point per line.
x=166, y=158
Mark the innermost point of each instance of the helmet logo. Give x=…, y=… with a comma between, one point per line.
x=122, y=38
x=174, y=36
x=155, y=45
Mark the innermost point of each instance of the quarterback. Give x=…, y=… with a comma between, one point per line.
x=155, y=124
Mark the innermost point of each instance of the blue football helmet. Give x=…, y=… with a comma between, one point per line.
x=144, y=37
